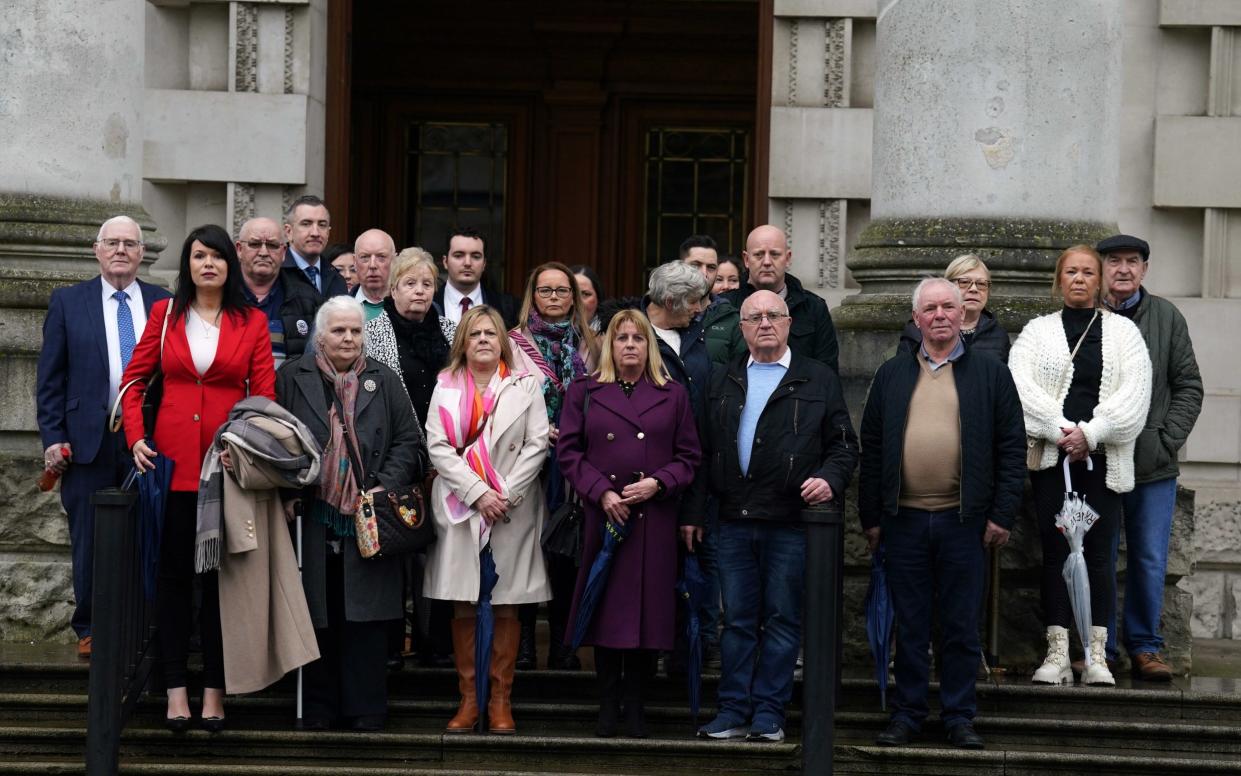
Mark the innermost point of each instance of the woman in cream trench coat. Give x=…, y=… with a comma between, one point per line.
x=516, y=437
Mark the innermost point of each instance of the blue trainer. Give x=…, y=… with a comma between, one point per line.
x=766, y=731
x=722, y=728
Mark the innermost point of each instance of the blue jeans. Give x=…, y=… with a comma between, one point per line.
x=934, y=563
x=1148, y=510
x=762, y=579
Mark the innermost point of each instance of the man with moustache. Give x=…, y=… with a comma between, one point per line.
x=89, y=334
x=767, y=258
x=1176, y=400
x=373, y=253
x=280, y=291
x=465, y=262
x=307, y=225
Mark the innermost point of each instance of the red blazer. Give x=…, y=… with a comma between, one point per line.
x=194, y=407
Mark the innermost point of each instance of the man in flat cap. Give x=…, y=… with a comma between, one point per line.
x=1176, y=400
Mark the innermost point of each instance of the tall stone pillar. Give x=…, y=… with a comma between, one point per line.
x=71, y=94
x=996, y=131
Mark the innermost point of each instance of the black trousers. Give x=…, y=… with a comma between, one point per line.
x=1048, y=487
x=174, y=597
x=350, y=678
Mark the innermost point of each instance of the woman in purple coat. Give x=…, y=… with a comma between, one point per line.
x=629, y=446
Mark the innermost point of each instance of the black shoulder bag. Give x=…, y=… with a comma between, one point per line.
x=563, y=536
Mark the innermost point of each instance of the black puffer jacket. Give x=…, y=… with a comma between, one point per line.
x=804, y=432
x=297, y=311
x=993, y=440
x=812, y=333
x=988, y=337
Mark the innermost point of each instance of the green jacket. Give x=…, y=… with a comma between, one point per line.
x=720, y=324
x=1176, y=389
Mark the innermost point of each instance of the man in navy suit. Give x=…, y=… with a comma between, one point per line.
x=307, y=224
x=465, y=261
x=88, y=336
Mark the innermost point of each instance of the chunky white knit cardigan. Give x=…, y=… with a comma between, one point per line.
x=1040, y=358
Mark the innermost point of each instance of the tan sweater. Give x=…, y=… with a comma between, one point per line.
x=931, y=457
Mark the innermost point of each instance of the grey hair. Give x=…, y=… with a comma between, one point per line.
x=339, y=304
x=676, y=285
x=956, y=292
x=119, y=220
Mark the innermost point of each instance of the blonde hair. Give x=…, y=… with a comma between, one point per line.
x=965, y=263
x=577, y=317
x=456, y=358
x=655, y=371
x=411, y=260
x=1083, y=249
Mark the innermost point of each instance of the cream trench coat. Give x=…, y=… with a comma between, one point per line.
x=516, y=435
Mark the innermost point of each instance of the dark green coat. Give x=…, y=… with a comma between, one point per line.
x=720, y=325
x=1176, y=389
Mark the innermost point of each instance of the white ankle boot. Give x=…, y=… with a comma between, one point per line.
x=1055, y=668
x=1097, y=673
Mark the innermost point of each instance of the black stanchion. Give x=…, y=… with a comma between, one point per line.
x=114, y=538
x=823, y=608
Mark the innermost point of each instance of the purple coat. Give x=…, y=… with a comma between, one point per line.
x=652, y=432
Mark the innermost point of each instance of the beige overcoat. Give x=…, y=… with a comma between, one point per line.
x=517, y=438
x=263, y=614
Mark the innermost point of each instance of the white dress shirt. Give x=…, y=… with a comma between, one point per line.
x=137, y=311
x=453, y=297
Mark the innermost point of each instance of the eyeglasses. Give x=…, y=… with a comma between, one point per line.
x=112, y=244
x=367, y=258
x=755, y=319
x=965, y=283
x=546, y=292
x=258, y=245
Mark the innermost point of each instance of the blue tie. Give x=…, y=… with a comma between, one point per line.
x=124, y=327
x=313, y=274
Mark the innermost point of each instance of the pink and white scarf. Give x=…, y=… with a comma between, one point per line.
x=466, y=423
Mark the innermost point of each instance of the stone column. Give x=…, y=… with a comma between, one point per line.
x=996, y=132
x=71, y=94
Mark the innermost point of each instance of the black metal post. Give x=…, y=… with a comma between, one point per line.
x=114, y=542
x=821, y=668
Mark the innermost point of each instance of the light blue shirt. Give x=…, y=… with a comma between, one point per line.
x=302, y=264
x=956, y=353
x=761, y=383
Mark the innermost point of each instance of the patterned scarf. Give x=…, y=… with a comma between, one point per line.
x=464, y=425
x=558, y=345
x=337, y=497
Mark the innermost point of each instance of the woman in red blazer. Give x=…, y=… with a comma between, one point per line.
x=216, y=351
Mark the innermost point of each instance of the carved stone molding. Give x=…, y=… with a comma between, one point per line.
x=836, y=64
x=241, y=204
x=793, y=29
x=246, y=48
x=788, y=222
x=288, y=49
x=831, y=241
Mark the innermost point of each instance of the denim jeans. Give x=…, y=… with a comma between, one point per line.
x=1148, y=510
x=934, y=564
x=762, y=579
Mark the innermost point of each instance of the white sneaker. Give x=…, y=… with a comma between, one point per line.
x=1056, y=668
x=1097, y=673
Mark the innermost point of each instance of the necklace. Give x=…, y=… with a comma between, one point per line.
x=208, y=329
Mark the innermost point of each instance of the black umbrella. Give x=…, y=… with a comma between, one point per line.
x=614, y=535
x=692, y=590
x=485, y=631
x=879, y=619
x=153, y=487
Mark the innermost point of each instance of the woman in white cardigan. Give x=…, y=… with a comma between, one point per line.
x=1084, y=376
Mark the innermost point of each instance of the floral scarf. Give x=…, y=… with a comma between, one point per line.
x=558, y=344
x=337, y=495
x=464, y=424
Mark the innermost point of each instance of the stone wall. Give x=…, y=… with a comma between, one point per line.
x=1216, y=584
x=36, y=577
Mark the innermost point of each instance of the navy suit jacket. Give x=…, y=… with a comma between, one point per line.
x=72, y=381
x=331, y=280
x=504, y=303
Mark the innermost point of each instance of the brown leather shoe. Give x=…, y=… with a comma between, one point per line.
x=1151, y=667
x=503, y=664
x=84, y=647
x=463, y=656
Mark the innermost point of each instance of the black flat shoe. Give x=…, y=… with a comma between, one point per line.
x=963, y=736
x=312, y=723
x=369, y=723
x=212, y=724
x=897, y=734
x=177, y=724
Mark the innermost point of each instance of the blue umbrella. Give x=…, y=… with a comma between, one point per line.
x=692, y=590
x=485, y=631
x=614, y=535
x=879, y=619
x=153, y=487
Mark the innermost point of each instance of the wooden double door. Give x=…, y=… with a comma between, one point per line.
x=597, y=133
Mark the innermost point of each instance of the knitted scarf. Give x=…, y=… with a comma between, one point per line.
x=560, y=360
x=337, y=496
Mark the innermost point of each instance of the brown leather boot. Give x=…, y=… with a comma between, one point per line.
x=503, y=663
x=463, y=656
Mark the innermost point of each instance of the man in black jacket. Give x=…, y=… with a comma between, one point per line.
x=307, y=224
x=778, y=438
x=465, y=261
x=282, y=293
x=767, y=258
x=943, y=465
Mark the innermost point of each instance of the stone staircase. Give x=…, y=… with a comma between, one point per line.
x=1189, y=727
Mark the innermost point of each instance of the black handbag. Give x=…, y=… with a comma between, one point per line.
x=563, y=535
x=389, y=523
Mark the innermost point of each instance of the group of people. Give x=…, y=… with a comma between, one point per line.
x=701, y=418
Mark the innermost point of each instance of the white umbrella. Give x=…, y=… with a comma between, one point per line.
x=1075, y=519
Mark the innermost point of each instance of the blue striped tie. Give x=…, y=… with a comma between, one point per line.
x=313, y=274
x=124, y=327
